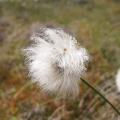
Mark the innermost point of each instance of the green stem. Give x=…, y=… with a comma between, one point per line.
x=95, y=90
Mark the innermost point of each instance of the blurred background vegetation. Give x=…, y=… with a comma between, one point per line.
x=96, y=25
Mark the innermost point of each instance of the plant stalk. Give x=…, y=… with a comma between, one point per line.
x=104, y=98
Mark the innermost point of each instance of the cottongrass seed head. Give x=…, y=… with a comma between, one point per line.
x=56, y=62
x=118, y=80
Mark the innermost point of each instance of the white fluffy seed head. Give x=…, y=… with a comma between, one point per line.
x=118, y=80
x=56, y=62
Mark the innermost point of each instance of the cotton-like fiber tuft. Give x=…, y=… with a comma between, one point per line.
x=56, y=62
x=118, y=80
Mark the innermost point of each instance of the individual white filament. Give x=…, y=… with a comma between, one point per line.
x=56, y=62
x=118, y=80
